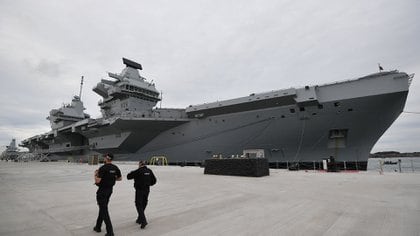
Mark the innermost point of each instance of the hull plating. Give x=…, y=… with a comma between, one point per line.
x=302, y=136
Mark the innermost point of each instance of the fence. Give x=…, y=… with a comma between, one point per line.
x=402, y=164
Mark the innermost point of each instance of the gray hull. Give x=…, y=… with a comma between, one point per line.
x=295, y=138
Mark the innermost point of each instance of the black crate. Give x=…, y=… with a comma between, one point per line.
x=253, y=167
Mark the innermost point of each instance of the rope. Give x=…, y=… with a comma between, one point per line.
x=412, y=112
x=253, y=137
x=301, y=140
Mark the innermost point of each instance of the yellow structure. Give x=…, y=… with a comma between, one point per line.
x=158, y=160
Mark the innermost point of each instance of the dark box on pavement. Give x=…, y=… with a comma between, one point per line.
x=252, y=167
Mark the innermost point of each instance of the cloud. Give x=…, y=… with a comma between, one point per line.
x=19, y=133
x=402, y=136
x=45, y=67
x=199, y=51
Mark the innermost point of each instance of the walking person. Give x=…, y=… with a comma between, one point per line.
x=143, y=179
x=105, y=178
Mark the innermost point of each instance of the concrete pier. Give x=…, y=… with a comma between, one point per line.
x=59, y=199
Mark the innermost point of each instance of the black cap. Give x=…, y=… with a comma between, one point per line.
x=109, y=156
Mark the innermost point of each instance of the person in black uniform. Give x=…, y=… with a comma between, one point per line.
x=105, y=178
x=143, y=179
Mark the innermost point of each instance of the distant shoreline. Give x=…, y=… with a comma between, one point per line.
x=390, y=154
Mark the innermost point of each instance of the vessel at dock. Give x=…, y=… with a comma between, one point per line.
x=296, y=125
x=11, y=152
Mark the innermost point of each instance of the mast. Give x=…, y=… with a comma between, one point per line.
x=81, y=86
x=161, y=98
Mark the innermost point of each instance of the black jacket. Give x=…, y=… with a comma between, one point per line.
x=108, y=174
x=143, y=178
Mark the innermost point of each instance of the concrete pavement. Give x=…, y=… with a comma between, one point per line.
x=59, y=199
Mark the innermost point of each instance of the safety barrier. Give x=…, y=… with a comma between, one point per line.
x=158, y=160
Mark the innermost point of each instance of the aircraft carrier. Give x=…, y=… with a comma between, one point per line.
x=301, y=126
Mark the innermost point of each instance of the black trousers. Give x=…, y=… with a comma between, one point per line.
x=141, y=203
x=102, y=197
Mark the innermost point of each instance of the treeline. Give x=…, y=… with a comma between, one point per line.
x=394, y=154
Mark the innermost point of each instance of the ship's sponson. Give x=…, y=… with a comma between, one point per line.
x=308, y=95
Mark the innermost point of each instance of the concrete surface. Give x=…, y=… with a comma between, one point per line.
x=59, y=199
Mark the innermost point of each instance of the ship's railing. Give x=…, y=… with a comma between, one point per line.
x=319, y=165
x=411, y=76
x=380, y=165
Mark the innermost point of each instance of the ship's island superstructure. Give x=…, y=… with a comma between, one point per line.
x=11, y=152
x=296, y=125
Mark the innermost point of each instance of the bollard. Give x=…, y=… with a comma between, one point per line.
x=399, y=164
x=381, y=169
x=345, y=167
x=313, y=164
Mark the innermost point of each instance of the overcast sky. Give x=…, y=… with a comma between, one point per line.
x=200, y=51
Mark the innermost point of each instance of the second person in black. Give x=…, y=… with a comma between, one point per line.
x=143, y=179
